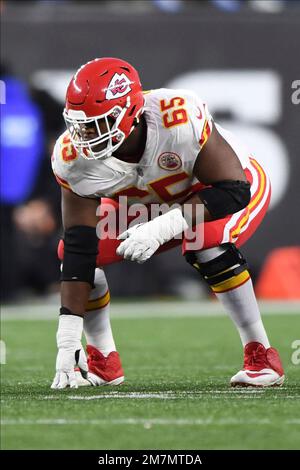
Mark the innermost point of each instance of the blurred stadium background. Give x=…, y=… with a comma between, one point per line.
x=239, y=55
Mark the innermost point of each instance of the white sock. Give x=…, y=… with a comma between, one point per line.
x=241, y=305
x=96, y=322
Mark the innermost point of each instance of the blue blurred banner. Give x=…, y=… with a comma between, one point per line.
x=22, y=141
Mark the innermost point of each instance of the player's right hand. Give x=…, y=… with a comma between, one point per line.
x=66, y=360
x=70, y=352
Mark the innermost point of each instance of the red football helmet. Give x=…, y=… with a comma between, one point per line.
x=105, y=95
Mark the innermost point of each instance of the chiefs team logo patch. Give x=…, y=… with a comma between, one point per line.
x=169, y=161
x=118, y=86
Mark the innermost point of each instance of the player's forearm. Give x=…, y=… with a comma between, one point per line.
x=220, y=199
x=191, y=211
x=79, y=264
x=75, y=295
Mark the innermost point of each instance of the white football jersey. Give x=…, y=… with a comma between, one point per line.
x=178, y=126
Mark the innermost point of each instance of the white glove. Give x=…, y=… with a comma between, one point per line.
x=70, y=352
x=142, y=240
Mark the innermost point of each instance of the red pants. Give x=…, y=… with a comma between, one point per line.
x=236, y=228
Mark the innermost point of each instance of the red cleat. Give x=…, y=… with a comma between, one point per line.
x=102, y=370
x=262, y=368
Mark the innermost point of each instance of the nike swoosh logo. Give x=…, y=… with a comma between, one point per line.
x=200, y=114
x=254, y=375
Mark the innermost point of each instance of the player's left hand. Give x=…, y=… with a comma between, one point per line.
x=143, y=240
x=139, y=243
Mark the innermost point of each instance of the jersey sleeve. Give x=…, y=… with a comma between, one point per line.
x=62, y=150
x=200, y=118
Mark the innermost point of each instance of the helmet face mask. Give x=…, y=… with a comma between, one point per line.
x=104, y=131
x=104, y=100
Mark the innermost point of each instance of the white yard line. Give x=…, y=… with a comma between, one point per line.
x=167, y=395
x=147, y=423
x=134, y=395
x=161, y=395
x=178, y=396
x=156, y=309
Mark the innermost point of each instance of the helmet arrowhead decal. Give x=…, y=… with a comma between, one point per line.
x=118, y=86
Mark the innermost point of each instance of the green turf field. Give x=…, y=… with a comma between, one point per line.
x=176, y=394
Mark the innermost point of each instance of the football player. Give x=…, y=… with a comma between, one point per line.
x=152, y=147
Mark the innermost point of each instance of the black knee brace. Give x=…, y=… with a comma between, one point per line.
x=223, y=267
